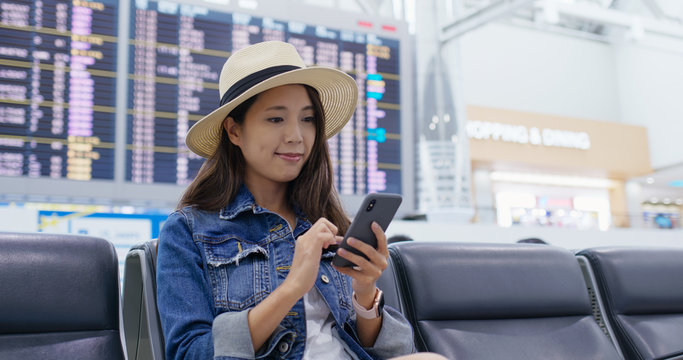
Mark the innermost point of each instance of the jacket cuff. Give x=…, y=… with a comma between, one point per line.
x=231, y=336
x=395, y=337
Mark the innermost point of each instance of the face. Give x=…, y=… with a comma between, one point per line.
x=277, y=134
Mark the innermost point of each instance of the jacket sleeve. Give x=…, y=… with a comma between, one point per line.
x=395, y=337
x=183, y=293
x=186, y=309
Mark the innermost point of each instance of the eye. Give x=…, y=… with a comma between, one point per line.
x=309, y=119
x=275, y=119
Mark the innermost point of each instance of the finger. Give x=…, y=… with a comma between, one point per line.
x=347, y=271
x=363, y=277
x=359, y=261
x=369, y=251
x=325, y=238
x=331, y=240
x=355, y=274
x=381, y=239
x=322, y=225
x=331, y=226
x=327, y=225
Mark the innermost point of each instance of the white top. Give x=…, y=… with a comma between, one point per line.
x=321, y=343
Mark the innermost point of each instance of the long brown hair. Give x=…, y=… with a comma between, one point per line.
x=221, y=176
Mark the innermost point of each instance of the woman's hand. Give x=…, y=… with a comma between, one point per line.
x=366, y=272
x=365, y=275
x=268, y=314
x=307, y=253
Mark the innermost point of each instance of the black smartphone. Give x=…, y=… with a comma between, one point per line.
x=375, y=207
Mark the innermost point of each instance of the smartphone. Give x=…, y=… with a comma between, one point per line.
x=375, y=207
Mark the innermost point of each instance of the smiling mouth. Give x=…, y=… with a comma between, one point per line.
x=290, y=156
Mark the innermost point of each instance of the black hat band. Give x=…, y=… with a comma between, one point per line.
x=247, y=82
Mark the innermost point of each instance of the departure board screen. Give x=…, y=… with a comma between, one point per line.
x=57, y=86
x=176, y=53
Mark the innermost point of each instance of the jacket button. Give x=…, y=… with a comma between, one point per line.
x=325, y=279
x=283, y=347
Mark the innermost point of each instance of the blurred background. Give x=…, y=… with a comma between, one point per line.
x=497, y=120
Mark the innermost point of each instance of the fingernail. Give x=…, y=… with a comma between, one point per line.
x=351, y=241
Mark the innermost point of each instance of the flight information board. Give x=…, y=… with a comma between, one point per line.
x=84, y=98
x=57, y=86
x=176, y=53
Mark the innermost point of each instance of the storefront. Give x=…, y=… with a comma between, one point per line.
x=546, y=170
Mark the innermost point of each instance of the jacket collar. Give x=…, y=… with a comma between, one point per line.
x=244, y=201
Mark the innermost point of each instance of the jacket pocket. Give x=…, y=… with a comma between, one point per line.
x=238, y=271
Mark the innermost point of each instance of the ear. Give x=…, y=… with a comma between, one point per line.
x=233, y=130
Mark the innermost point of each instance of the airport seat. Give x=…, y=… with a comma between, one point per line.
x=60, y=297
x=142, y=327
x=497, y=301
x=387, y=283
x=641, y=290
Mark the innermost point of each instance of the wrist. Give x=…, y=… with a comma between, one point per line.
x=365, y=298
x=372, y=311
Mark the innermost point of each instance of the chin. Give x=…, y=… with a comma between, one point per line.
x=291, y=178
x=285, y=177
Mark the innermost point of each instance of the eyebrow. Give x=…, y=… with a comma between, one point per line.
x=282, y=107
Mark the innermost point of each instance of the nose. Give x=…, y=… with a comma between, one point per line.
x=293, y=132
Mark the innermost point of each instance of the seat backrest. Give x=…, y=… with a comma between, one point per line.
x=642, y=292
x=387, y=283
x=142, y=328
x=60, y=297
x=497, y=301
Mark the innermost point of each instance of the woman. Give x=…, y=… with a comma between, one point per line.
x=244, y=264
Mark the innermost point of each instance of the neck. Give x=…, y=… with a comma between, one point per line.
x=269, y=195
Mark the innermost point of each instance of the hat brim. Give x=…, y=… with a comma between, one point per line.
x=338, y=93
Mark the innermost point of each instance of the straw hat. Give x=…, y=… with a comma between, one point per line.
x=263, y=66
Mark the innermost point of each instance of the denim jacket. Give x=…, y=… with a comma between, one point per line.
x=212, y=267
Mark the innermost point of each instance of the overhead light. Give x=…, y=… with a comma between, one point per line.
x=551, y=13
x=650, y=180
x=248, y=4
x=636, y=30
x=557, y=180
x=679, y=201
